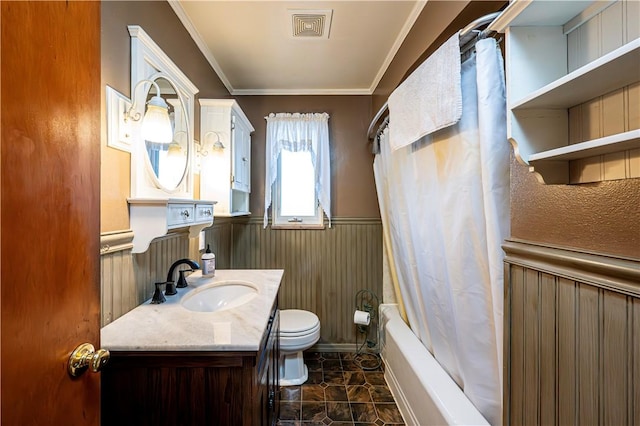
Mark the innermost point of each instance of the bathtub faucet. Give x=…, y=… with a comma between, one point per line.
x=171, y=287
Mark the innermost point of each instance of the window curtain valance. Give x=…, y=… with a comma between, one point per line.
x=298, y=132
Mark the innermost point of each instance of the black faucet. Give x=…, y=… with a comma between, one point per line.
x=171, y=287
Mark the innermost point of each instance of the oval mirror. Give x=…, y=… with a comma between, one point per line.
x=168, y=162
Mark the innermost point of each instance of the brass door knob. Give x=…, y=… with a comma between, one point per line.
x=85, y=356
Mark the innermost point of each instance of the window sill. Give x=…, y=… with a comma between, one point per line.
x=298, y=226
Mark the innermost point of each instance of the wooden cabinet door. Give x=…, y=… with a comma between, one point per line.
x=50, y=217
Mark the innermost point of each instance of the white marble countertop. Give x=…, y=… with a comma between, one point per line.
x=171, y=327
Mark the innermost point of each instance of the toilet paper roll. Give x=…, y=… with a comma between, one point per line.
x=361, y=318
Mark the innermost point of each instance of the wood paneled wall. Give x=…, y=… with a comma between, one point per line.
x=128, y=279
x=615, y=112
x=218, y=237
x=324, y=269
x=119, y=294
x=572, y=337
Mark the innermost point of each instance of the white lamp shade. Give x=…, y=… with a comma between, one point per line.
x=156, y=126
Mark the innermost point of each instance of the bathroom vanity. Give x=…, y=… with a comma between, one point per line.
x=171, y=365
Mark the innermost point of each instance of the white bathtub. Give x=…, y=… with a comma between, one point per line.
x=424, y=392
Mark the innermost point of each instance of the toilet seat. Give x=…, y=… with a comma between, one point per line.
x=296, y=322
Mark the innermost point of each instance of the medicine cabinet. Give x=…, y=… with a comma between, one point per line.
x=573, y=88
x=225, y=175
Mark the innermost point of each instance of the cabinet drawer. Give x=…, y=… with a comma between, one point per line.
x=204, y=212
x=180, y=214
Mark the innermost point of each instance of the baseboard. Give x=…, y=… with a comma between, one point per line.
x=333, y=347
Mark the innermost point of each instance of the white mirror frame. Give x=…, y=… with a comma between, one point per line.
x=148, y=61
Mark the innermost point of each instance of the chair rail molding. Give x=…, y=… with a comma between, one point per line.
x=610, y=272
x=114, y=241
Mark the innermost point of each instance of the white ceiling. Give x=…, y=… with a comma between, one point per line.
x=250, y=44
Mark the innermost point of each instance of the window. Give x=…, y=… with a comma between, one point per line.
x=295, y=199
x=297, y=172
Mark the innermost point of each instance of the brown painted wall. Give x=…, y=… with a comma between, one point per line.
x=353, y=190
x=438, y=21
x=158, y=19
x=602, y=217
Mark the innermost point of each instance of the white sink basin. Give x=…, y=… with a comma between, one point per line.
x=219, y=296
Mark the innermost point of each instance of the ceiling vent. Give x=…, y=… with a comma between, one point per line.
x=310, y=23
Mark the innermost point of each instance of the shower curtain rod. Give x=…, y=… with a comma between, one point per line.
x=468, y=37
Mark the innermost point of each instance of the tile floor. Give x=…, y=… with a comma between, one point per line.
x=339, y=391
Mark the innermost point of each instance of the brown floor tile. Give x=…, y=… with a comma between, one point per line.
x=315, y=378
x=351, y=365
x=332, y=365
x=290, y=393
x=311, y=355
x=339, y=411
x=336, y=393
x=334, y=378
x=313, y=364
x=381, y=394
x=312, y=393
x=363, y=412
x=375, y=378
x=370, y=362
x=314, y=411
x=358, y=394
x=389, y=413
x=354, y=378
x=290, y=410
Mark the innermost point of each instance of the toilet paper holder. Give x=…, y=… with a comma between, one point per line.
x=367, y=301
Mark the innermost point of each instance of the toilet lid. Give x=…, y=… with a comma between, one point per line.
x=296, y=320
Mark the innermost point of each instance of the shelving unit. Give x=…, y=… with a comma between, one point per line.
x=560, y=55
x=225, y=173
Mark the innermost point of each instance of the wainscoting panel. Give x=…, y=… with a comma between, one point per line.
x=128, y=279
x=118, y=294
x=324, y=269
x=152, y=265
x=218, y=236
x=572, y=327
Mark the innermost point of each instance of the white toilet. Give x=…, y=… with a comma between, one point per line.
x=299, y=330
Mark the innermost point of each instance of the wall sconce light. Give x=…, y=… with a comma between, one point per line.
x=156, y=125
x=175, y=147
x=217, y=145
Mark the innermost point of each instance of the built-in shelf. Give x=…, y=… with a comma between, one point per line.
x=607, y=73
x=564, y=61
x=531, y=13
x=152, y=218
x=601, y=146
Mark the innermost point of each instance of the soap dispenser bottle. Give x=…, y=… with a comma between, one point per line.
x=208, y=263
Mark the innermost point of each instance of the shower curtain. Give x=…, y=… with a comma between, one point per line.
x=445, y=202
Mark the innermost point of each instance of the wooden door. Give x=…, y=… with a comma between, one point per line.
x=49, y=220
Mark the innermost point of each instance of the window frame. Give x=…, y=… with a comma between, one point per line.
x=279, y=221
